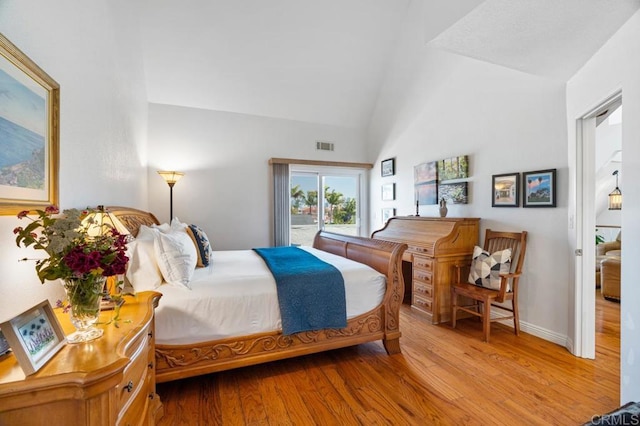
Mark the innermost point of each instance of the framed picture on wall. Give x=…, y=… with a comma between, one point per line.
x=454, y=193
x=388, y=192
x=506, y=190
x=29, y=130
x=34, y=336
x=388, y=167
x=387, y=214
x=539, y=188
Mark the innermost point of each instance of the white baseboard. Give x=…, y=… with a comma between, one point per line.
x=537, y=331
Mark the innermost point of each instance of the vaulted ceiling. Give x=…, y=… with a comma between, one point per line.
x=324, y=61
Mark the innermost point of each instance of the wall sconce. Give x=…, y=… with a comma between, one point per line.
x=171, y=178
x=615, y=197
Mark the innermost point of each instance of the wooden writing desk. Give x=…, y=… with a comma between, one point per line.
x=435, y=245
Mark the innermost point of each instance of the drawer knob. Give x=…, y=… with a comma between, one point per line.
x=129, y=386
x=150, y=365
x=150, y=334
x=151, y=396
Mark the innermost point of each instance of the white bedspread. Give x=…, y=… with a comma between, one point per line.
x=236, y=295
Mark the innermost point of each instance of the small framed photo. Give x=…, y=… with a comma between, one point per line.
x=388, y=192
x=387, y=214
x=34, y=336
x=388, y=167
x=539, y=188
x=506, y=190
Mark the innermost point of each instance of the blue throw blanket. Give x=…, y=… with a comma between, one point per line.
x=310, y=291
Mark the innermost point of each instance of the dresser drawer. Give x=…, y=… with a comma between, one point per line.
x=422, y=262
x=424, y=290
x=422, y=303
x=141, y=340
x=135, y=376
x=137, y=412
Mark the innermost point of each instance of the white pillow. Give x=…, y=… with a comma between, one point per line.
x=164, y=228
x=176, y=256
x=142, y=271
x=176, y=225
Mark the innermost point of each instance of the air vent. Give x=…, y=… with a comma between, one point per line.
x=324, y=146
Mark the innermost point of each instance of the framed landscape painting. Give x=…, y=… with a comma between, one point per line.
x=454, y=193
x=539, y=188
x=425, y=179
x=453, y=168
x=29, y=131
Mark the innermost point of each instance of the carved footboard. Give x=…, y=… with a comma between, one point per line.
x=382, y=323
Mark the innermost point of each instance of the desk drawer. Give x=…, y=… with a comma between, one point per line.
x=423, y=276
x=422, y=262
x=422, y=303
x=423, y=290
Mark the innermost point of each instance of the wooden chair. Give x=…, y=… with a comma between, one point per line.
x=484, y=297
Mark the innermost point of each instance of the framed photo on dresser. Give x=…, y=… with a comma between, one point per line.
x=35, y=336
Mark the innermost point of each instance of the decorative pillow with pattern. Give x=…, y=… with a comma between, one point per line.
x=486, y=267
x=202, y=243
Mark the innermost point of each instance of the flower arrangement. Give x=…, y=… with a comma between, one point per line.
x=72, y=253
x=82, y=260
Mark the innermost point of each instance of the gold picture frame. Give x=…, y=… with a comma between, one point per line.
x=29, y=160
x=35, y=336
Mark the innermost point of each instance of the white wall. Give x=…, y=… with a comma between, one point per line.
x=617, y=66
x=227, y=188
x=436, y=105
x=91, y=52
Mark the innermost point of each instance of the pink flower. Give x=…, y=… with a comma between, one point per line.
x=17, y=230
x=52, y=210
x=23, y=213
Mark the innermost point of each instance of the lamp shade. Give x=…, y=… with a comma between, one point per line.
x=98, y=222
x=615, y=197
x=171, y=177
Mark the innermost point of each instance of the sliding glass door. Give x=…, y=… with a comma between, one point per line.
x=324, y=200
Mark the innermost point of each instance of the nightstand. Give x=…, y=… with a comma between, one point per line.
x=109, y=381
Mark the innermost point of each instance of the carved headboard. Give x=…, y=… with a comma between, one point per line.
x=133, y=218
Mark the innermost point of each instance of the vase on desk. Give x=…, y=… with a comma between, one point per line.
x=443, y=207
x=84, y=296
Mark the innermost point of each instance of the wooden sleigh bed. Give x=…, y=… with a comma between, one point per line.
x=381, y=323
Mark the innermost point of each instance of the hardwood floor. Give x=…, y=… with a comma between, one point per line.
x=443, y=377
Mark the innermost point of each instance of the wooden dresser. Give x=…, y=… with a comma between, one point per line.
x=109, y=381
x=435, y=245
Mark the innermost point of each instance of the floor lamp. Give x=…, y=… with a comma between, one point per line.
x=171, y=178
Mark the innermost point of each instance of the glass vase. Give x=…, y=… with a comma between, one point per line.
x=84, y=296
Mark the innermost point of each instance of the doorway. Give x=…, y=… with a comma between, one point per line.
x=585, y=219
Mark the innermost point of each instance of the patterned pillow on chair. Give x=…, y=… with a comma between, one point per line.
x=486, y=267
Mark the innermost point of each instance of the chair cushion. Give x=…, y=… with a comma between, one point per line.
x=486, y=267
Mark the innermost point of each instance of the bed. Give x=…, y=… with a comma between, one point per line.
x=177, y=360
